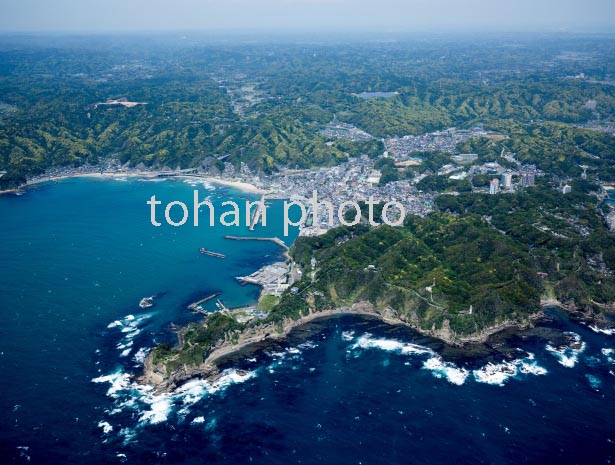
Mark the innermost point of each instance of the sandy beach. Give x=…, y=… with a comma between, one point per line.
x=239, y=185
x=236, y=184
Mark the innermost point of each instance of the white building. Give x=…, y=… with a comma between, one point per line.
x=494, y=186
x=506, y=180
x=528, y=179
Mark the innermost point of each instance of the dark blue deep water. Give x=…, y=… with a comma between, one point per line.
x=77, y=256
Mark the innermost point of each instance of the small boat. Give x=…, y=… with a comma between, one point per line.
x=146, y=302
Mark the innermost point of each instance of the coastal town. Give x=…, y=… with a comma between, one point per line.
x=307, y=232
x=358, y=178
x=350, y=182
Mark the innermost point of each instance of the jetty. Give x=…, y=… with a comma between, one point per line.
x=204, y=251
x=257, y=213
x=196, y=306
x=275, y=240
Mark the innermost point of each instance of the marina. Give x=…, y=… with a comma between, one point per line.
x=196, y=306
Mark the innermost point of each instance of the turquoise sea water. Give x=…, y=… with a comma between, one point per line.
x=77, y=256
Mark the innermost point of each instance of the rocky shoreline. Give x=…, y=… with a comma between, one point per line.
x=580, y=314
x=258, y=337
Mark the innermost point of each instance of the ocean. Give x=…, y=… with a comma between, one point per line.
x=78, y=255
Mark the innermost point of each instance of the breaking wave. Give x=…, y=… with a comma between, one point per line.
x=130, y=327
x=152, y=408
x=568, y=354
x=491, y=373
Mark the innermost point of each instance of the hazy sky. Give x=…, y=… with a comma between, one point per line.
x=285, y=15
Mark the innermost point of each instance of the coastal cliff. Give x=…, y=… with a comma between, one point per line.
x=161, y=371
x=451, y=276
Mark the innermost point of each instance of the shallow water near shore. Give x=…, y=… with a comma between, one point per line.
x=78, y=255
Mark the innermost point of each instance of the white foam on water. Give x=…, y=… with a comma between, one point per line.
x=119, y=381
x=347, y=335
x=152, y=179
x=191, y=392
x=567, y=355
x=141, y=355
x=441, y=369
x=498, y=373
x=129, y=327
x=608, y=332
x=609, y=354
x=202, y=184
x=154, y=408
x=568, y=361
x=126, y=352
x=160, y=408
x=532, y=368
x=198, y=420
x=229, y=377
x=106, y=427
x=495, y=374
x=122, y=346
x=307, y=345
x=366, y=341
x=291, y=353
x=277, y=355
x=188, y=394
x=132, y=334
x=129, y=323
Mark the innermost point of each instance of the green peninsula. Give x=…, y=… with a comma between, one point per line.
x=478, y=265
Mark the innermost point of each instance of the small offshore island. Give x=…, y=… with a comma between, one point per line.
x=457, y=275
